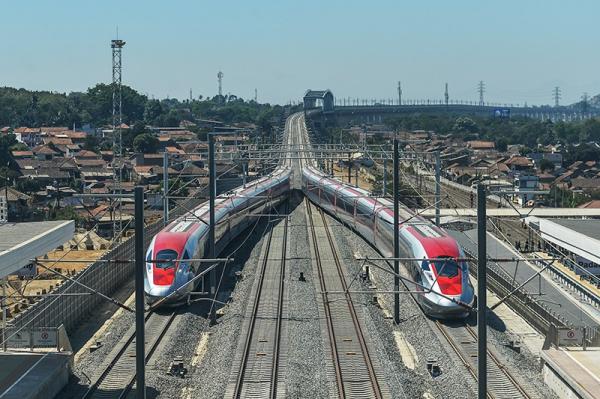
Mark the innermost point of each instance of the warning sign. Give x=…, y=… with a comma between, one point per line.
x=45, y=338
x=570, y=336
x=18, y=339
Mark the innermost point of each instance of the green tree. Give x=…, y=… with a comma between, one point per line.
x=91, y=143
x=465, y=125
x=501, y=144
x=145, y=143
x=546, y=165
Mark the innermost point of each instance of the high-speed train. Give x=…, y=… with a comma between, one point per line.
x=170, y=256
x=442, y=281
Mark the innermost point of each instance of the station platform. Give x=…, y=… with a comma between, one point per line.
x=569, y=272
x=572, y=372
x=33, y=375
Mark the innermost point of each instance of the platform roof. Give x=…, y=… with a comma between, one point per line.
x=581, y=237
x=20, y=242
x=587, y=227
x=522, y=212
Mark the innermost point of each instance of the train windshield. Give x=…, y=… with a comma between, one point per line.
x=166, y=259
x=446, y=267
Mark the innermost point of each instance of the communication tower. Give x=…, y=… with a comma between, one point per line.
x=220, y=79
x=117, y=120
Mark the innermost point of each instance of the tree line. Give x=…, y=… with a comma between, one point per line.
x=21, y=107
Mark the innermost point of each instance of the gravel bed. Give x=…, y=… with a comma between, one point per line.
x=524, y=365
x=306, y=371
x=210, y=377
x=402, y=381
x=454, y=382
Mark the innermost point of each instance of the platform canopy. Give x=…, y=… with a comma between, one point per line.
x=512, y=213
x=21, y=242
x=580, y=237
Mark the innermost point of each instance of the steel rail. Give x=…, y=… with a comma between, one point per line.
x=256, y=306
x=351, y=310
x=119, y=374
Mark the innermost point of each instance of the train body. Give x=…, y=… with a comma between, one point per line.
x=443, y=283
x=170, y=256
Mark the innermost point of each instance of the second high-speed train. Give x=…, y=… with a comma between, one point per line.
x=441, y=278
x=170, y=264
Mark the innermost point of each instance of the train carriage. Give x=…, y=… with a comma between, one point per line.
x=170, y=255
x=443, y=282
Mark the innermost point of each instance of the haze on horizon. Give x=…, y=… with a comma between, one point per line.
x=521, y=50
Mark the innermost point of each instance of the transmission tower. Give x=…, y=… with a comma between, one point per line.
x=220, y=79
x=117, y=120
x=481, y=90
x=556, y=95
x=399, y=93
x=446, y=96
x=584, y=103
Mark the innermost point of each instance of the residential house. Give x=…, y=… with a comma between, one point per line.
x=18, y=204
x=481, y=146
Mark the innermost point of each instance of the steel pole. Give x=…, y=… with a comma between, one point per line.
x=396, y=237
x=165, y=188
x=481, y=293
x=438, y=168
x=350, y=168
x=384, y=193
x=212, y=176
x=140, y=352
x=4, y=343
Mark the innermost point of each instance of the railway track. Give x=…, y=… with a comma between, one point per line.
x=258, y=365
x=501, y=383
x=116, y=377
x=353, y=366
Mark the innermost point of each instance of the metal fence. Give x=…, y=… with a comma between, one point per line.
x=535, y=313
x=105, y=277
x=581, y=336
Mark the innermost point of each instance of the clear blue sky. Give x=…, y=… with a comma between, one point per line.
x=520, y=48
